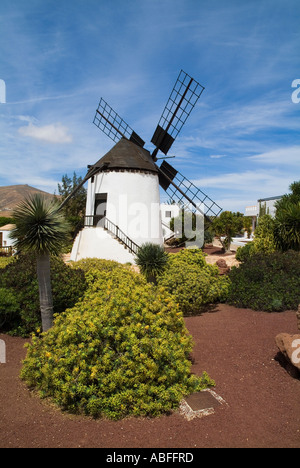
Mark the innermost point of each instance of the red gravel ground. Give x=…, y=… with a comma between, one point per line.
x=235, y=346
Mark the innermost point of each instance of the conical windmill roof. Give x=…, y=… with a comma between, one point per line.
x=127, y=156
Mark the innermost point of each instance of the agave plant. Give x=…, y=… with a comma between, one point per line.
x=152, y=259
x=40, y=229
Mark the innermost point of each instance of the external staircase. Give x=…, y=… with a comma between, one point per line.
x=103, y=239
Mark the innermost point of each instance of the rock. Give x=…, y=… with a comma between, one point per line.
x=289, y=346
x=223, y=267
x=298, y=316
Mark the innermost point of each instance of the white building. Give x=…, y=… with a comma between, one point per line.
x=267, y=205
x=5, y=241
x=167, y=213
x=263, y=206
x=123, y=206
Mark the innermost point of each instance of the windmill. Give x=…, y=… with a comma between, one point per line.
x=129, y=170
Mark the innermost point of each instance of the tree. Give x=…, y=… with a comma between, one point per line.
x=40, y=229
x=264, y=235
x=287, y=226
x=228, y=225
x=4, y=221
x=293, y=197
x=189, y=227
x=248, y=225
x=74, y=209
x=287, y=220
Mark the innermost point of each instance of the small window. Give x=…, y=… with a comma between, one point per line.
x=168, y=214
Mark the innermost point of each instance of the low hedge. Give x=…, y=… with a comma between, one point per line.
x=4, y=261
x=267, y=282
x=88, y=264
x=20, y=278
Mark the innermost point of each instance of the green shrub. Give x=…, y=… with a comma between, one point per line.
x=287, y=226
x=264, y=235
x=269, y=282
x=122, y=350
x=19, y=276
x=9, y=308
x=152, y=260
x=87, y=264
x=263, y=242
x=4, y=221
x=192, y=282
x=245, y=252
x=4, y=261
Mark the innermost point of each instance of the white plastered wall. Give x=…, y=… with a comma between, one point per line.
x=133, y=203
x=6, y=241
x=96, y=243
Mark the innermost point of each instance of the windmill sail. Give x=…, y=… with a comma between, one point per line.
x=107, y=120
x=185, y=193
x=181, y=102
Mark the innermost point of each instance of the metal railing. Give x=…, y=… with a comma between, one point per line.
x=6, y=251
x=112, y=228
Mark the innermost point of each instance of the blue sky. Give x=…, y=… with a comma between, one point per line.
x=57, y=58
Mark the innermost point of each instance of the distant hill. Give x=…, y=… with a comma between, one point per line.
x=13, y=195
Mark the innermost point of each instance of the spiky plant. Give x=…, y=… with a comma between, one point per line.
x=287, y=226
x=152, y=259
x=40, y=229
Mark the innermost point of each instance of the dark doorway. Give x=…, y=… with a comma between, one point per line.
x=100, y=209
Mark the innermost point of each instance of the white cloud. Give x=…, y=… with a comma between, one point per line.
x=255, y=184
x=235, y=204
x=25, y=118
x=284, y=156
x=54, y=133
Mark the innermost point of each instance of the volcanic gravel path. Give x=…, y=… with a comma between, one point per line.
x=235, y=346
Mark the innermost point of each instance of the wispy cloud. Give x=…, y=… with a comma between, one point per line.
x=286, y=156
x=250, y=185
x=217, y=156
x=39, y=99
x=54, y=133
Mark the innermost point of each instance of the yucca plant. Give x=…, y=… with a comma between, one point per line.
x=152, y=259
x=287, y=226
x=40, y=229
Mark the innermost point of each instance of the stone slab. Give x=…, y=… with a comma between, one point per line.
x=200, y=404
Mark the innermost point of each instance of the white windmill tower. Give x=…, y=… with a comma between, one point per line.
x=123, y=205
x=123, y=201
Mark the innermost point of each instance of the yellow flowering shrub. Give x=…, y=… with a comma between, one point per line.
x=87, y=264
x=192, y=282
x=122, y=350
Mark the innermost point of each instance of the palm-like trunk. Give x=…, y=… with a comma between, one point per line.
x=44, y=280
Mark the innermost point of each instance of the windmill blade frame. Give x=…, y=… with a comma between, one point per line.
x=180, y=104
x=179, y=188
x=110, y=123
